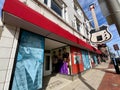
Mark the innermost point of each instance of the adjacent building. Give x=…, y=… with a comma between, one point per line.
x=42, y=37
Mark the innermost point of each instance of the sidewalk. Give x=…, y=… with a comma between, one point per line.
x=111, y=80
x=102, y=77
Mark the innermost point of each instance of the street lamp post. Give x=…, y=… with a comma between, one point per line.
x=111, y=10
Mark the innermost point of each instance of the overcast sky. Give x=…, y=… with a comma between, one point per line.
x=101, y=20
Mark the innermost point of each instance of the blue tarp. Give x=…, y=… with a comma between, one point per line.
x=86, y=60
x=29, y=63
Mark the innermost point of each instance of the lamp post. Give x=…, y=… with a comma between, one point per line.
x=111, y=10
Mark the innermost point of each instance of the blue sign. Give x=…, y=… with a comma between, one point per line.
x=86, y=60
x=29, y=65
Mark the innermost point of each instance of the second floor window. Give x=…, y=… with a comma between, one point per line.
x=75, y=8
x=45, y=1
x=78, y=24
x=56, y=7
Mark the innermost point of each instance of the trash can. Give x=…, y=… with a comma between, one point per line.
x=116, y=66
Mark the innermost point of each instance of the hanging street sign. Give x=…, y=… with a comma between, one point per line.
x=100, y=36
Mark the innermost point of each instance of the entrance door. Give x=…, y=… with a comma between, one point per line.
x=47, y=65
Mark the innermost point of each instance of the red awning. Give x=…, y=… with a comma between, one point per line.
x=19, y=9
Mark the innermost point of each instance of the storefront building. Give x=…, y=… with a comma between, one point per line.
x=41, y=37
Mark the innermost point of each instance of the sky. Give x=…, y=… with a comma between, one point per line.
x=101, y=20
x=1, y=5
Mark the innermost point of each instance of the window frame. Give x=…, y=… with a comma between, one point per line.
x=58, y=6
x=78, y=24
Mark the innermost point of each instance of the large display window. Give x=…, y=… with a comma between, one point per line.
x=29, y=63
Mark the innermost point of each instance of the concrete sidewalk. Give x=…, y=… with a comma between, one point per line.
x=111, y=80
x=90, y=80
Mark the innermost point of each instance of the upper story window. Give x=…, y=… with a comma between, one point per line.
x=87, y=25
x=75, y=7
x=56, y=7
x=45, y=1
x=78, y=10
x=78, y=24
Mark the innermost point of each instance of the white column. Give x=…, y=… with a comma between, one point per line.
x=66, y=15
x=63, y=11
x=49, y=3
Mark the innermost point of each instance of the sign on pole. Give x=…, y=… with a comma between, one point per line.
x=116, y=47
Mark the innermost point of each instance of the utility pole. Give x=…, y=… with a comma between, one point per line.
x=111, y=10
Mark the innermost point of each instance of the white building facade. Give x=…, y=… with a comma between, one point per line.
x=32, y=31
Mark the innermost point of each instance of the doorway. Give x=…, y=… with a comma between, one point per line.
x=50, y=46
x=47, y=64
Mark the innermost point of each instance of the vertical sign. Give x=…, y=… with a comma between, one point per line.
x=29, y=63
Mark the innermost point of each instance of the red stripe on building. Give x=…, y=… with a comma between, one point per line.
x=22, y=11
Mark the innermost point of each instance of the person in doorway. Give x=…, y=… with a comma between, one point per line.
x=65, y=56
x=55, y=62
x=64, y=67
x=60, y=60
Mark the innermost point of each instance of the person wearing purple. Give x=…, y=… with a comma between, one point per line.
x=65, y=56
